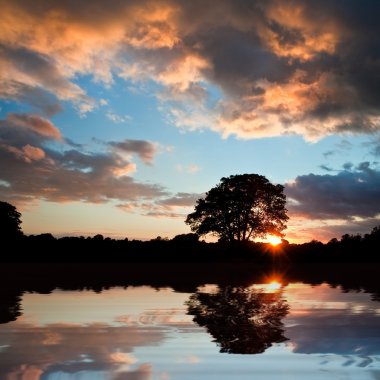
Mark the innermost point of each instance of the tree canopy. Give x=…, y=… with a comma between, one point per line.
x=9, y=221
x=240, y=208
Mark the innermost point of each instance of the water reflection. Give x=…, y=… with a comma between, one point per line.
x=10, y=308
x=323, y=320
x=141, y=333
x=241, y=320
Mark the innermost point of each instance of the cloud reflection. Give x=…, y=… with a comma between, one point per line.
x=33, y=351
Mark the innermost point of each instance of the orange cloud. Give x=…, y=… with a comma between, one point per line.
x=144, y=149
x=184, y=71
x=36, y=123
x=311, y=36
x=25, y=372
x=32, y=153
x=68, y=42
x=27, y=153
x=124, y=170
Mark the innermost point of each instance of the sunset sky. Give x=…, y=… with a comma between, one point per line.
x=116, y=116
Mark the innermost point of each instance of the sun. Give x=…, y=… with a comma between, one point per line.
x=274, y=240
x=273, y=286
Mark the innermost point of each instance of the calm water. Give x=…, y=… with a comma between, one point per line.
x=263, y=331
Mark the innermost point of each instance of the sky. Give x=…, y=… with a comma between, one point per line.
x=115, y=117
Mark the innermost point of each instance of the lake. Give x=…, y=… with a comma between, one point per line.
x=275, y=328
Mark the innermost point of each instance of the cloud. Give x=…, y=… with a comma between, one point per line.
x=152, y=209
x=34, y=170
x=165, y=214
x=43, y=47
x=37, y=97
x=374, y=144
x=32, y=153
x=36, y=123
x=74, y=176
x=24, y=70
x=326, y=206
x=175, y=206
x=191, y=168
x=279, y=67
x=329, y=153
x=326, y=168
x=346, y=195
x=144, y=149
x=18, y=131
x=281, y=73
x=181, y=200
x=117, y=118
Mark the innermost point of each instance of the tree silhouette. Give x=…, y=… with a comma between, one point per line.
x=239, y=208
x=241, y=320
x=10, y=222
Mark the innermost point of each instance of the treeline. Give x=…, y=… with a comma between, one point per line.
x=188, y=247
x=349, y=248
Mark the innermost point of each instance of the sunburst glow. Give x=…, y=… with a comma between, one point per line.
x=274, y=240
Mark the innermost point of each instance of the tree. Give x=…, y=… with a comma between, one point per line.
x=186, y=239
x=10, y=222
x=240, y=207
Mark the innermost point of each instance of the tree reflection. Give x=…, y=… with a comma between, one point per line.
x=10, y=308
x=241, y=320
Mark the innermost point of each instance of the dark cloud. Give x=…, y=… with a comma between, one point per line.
x=348, y=165
x=344, y=145
x=144, y=149
x=329, y=153
x=374, y=146
x=32, y=169
x=73, y=144
x=281, y=66
x=352, y=227
x=20, y=130
x=37, y=97
x=73, y=176
x=37, y=124
x=321, y=76
x=41, y=76
x=346, y=195
x=376, y=150
x=326, y=168
x=341, y=148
